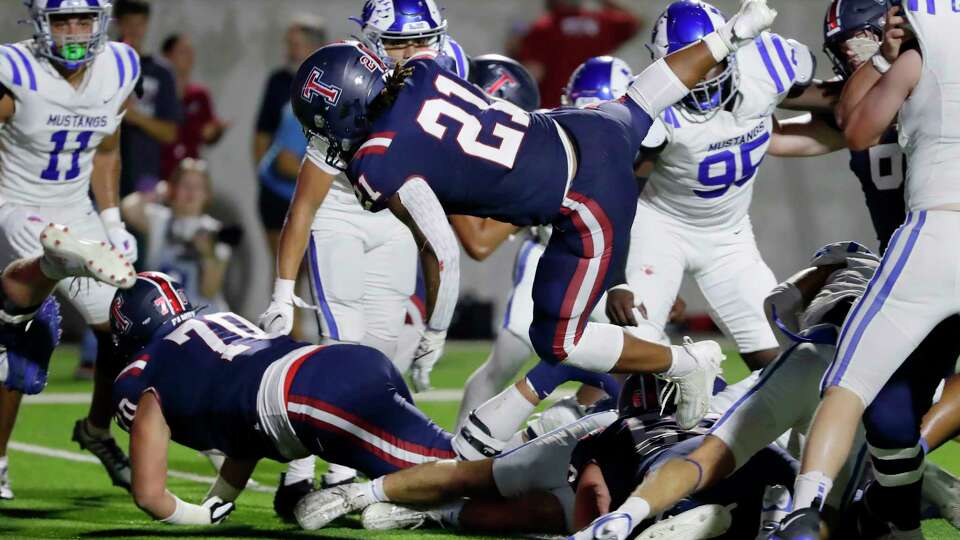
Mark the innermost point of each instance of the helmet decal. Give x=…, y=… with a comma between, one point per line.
x=313, y=87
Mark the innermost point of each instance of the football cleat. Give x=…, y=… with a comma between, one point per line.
x=616, y=526
x=943, y=489
x=702, y=522
x=286, y=498
x=803, y=524
x=110, y=455
x=337, y=475
x=383, y=516
x=315, y=510
x=694, y=390
x=65, y=256
x=474, y=442
x=6, y=492
x=27, y=348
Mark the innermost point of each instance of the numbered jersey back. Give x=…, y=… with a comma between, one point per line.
x=481, y=156
x=206, y=374
x=46, y=150
x=704, y=173
x=881, y=170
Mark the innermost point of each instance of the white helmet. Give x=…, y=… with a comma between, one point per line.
x=77, y=50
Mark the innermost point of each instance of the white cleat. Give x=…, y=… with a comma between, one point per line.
x=694, y=390
x=6, y=492
x=383, y=516
x=67, y=256
x=942, y=489
x=702, y=522
x=564, y=412
x=315, y=510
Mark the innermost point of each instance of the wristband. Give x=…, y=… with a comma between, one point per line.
x=111, y=216
x=284, y=288
x=718, y=48
x=880, y=63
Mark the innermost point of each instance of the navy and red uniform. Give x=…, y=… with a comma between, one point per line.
x=881, y=170
x=484, y=158
x=636, y=445
x=224, y=384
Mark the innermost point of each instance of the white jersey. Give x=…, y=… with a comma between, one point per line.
x=47, y=148
x=341, y=197
x=930, y=117
x=703, y=175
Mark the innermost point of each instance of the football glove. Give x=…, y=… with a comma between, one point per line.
x=426, y=356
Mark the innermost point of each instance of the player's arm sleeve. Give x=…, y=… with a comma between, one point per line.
x=421, y=210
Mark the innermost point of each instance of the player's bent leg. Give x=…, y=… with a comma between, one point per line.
x=503, y=365
x=335, y=262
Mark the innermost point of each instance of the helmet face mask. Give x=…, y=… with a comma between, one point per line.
x=845, y=20
x=51, y=22
x=714, y=94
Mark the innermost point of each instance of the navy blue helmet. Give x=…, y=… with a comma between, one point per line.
x=332, y=93
x=601, y=78
x=504, y=78
x=684, y=23
x=844, y=19
x=154, y=306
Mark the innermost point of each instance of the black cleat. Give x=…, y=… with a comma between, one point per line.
x=110, y=455
x=800, y=525
x=285, y=499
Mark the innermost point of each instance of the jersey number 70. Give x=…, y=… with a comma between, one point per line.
x=504, y=154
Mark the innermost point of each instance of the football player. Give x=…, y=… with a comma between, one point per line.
x=692, y=215
x=219, y=382
x=914, y=289
x=572, y=168
x=62, y=96
x=362, y=266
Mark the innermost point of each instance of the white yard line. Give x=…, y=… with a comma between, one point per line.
x=87, y=458
x=448, y=395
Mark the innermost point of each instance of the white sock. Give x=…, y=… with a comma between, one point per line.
x=4, y=369
x=96, y=432
x=3, y=462
x=636, y=507
x=683, y=362
x=299, y=470
x=373, y=491
x=810, y=487
x=505, y=413
x=450, y=513
x=502, y=366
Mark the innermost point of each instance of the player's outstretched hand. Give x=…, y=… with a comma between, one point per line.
x=278, y=318
x=754, y=17
x=219, y=510
x=426, y=357
x=616, y=526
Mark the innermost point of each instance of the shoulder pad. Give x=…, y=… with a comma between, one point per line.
x=777, y=62
x=126, y=64
x=18, y=68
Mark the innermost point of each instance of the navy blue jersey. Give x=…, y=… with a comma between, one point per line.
x=481, y=157
x=881, y=170
x=206, y=374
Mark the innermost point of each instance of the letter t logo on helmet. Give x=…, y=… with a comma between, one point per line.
x=313, y=87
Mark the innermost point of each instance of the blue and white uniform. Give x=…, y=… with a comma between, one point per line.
x=47, y=149
x=692, y=218
x=223, y=384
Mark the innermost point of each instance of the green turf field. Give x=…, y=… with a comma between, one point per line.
x=60, y=497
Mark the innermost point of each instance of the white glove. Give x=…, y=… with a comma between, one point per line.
x=426, y=356
x=838, y=253
x=616, y=526
x=278, y=318
x=120, y=238
x=753, y=18
x=219, y=510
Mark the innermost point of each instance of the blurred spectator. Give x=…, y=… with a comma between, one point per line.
x=152, y=118
x=566, y=36
x=278, y=174
x=200, y=125
x=304, y=36
x=181, y=239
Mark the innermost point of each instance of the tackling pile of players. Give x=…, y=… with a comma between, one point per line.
x=416, y=149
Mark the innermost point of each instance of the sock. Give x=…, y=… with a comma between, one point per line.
x=810, y=487
x=96, y=432
x=3, y=463
x=502, y=366
x=450, y=513
x=504, y=413
x=896, y=495
x=683, y=362
x=373, y=491
x=299, y=470
x=4, y=369
x=637, y=508
x=544, y=378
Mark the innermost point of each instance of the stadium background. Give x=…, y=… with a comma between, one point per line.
x=799, y=204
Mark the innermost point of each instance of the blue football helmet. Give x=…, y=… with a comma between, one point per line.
x=844, y=19
x=155, y=305
x=332, y=93
x=402, y=21
x=504, y=78
x=80, y=49
x=684, y=23
x=601, y=78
